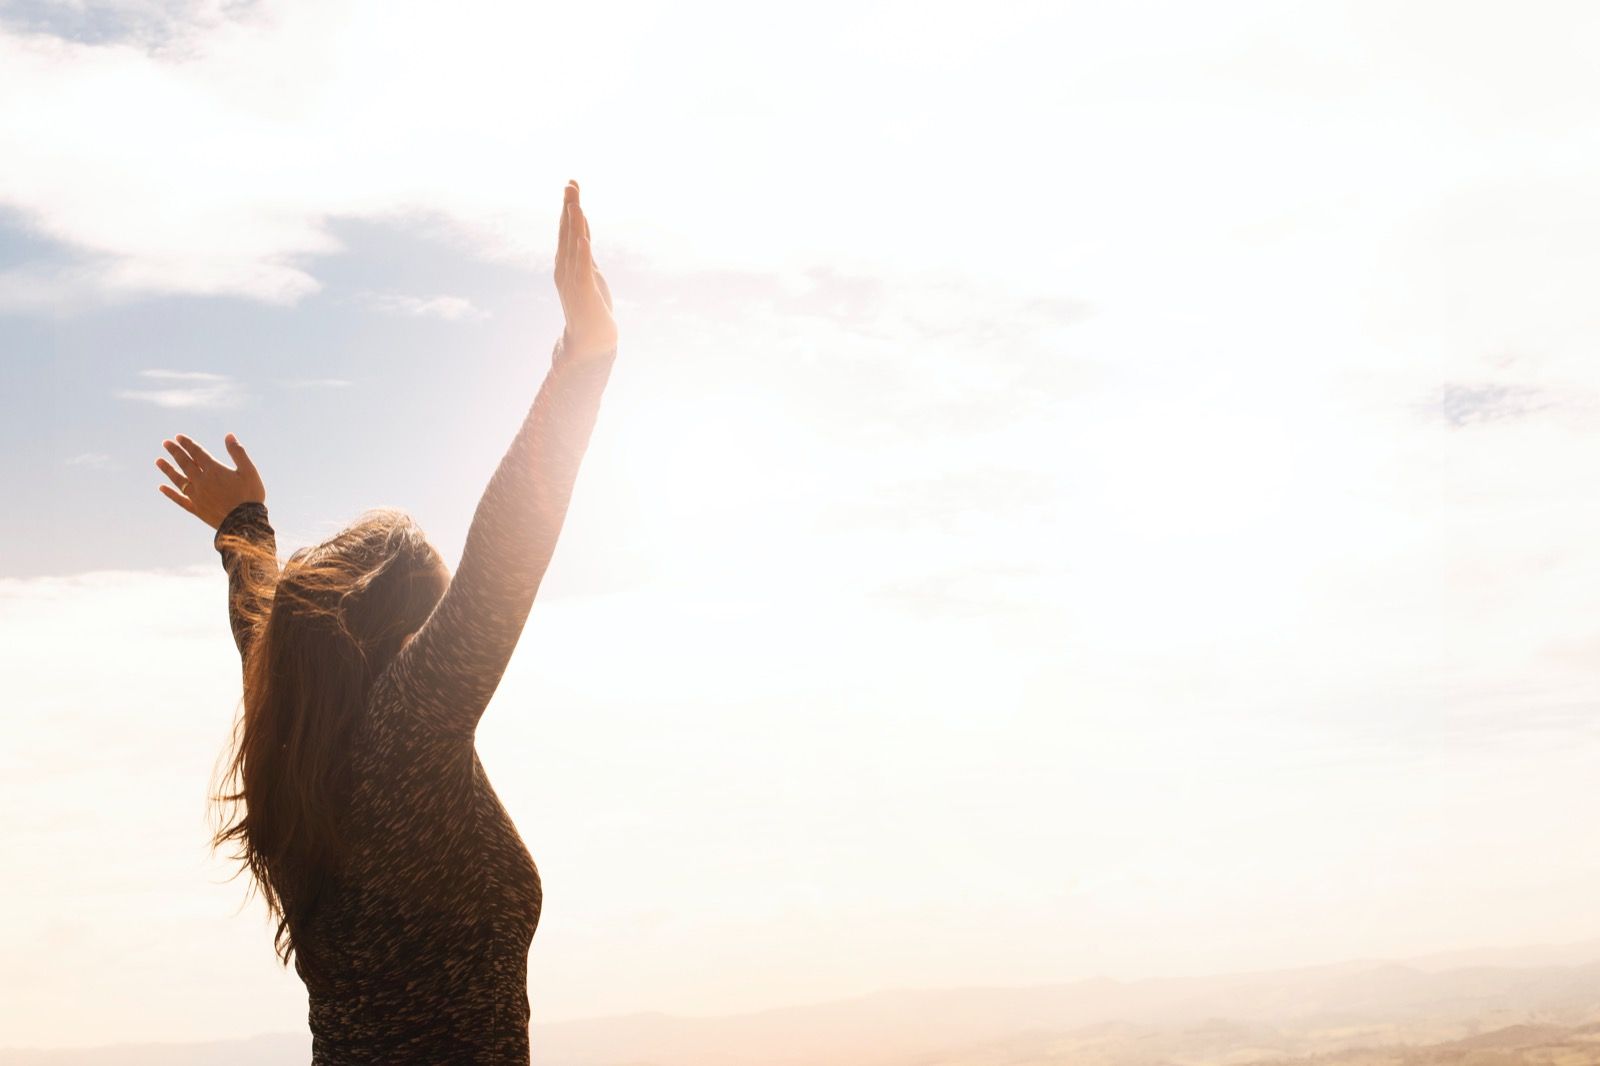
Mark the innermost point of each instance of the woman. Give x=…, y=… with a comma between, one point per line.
x=355, y=795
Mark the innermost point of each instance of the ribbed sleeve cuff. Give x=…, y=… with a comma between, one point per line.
x=248, y=515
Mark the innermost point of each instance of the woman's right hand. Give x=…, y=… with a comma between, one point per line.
x=585, y=297
x=206, y=488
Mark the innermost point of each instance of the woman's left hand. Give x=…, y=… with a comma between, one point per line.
x=585, y=296
x=207, y=488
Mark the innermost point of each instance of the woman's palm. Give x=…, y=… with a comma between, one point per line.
x=206, y=487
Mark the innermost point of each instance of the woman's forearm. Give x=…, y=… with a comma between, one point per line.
x=248, y=545
x=454, y=663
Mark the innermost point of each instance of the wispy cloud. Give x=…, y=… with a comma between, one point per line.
x=186, y=389
x=183, y=375
x=316, y=383
x=449, y=308
x=94, y=460
x=1062, y=309
x=1463, y=405
x=146, y=23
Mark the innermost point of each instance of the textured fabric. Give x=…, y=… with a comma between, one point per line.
x=427, y=935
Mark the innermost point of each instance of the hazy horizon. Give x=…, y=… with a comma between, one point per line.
x=1083, y=491
x=1522, y=1005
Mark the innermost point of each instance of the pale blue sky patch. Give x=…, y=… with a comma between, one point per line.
x=271, y=373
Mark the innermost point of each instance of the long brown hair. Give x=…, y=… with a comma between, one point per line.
x=320, y=633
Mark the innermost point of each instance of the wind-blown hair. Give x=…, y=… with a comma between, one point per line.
x=319, y=634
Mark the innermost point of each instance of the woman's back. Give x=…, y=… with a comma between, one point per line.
x=426, y=934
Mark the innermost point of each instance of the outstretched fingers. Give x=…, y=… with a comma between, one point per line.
x=241, y=458
x=575, y=252
x=178, y=498
x=585, y=296
x=564, y=241
x=185, y=460
x=200, y=455
x=166, y=468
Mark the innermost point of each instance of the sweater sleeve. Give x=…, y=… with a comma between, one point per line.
x=449, y=669
x=249, y=521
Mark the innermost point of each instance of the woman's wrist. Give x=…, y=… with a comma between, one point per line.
x=583, y=345
x=242, y=513
x=584, y=352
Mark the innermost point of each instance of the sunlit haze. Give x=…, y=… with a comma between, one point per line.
x=1085, y=489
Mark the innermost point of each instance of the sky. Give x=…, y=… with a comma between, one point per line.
x=1085, y=489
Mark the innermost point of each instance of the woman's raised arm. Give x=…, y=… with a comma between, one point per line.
x=452, y=665
x=231, y=501
x=249, y=550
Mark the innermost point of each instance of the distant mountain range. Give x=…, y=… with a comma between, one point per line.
x=1486, y=1008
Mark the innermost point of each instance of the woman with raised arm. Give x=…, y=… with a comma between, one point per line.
x=354, y=792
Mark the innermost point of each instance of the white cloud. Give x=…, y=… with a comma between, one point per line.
x=59, y=290
x=1382, y=210
x=449, y=308
x=213, y=168
x=94, y=460
x=189, y=388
